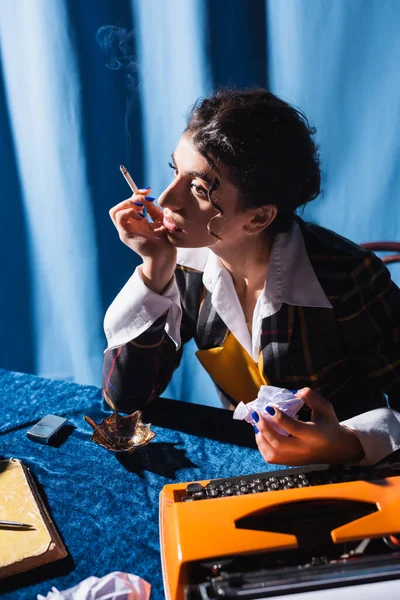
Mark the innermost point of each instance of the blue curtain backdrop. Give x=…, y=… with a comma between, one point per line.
x=76, y=102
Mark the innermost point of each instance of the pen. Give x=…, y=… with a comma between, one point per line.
x=15, y=524
x=129, y=179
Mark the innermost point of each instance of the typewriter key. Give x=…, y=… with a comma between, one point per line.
x=211, y=486
x=194, y=487
x=198, y=495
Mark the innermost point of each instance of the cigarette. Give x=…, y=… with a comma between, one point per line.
x=129, y=179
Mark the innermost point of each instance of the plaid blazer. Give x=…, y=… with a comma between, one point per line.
x=350, y=354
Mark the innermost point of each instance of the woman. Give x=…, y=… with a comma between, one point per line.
x=268, y=298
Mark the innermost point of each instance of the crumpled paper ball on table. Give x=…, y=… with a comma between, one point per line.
x=269, y=395
x=114, y=586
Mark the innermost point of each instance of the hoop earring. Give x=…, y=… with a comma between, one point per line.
x=220, y=213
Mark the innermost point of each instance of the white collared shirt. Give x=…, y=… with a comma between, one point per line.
x=290, y=280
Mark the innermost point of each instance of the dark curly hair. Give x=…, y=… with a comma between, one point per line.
x=266, y=144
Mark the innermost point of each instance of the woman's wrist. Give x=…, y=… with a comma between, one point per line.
x=354, y=450
x=157, y=274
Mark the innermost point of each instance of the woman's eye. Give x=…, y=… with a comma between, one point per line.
x=200, y=191
x=173, y=167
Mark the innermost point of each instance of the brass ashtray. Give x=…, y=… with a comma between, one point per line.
x=121, y=434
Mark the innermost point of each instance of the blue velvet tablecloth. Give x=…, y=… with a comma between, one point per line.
x=104, y=506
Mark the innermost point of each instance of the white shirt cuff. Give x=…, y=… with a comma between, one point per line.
x=137, y=307
x=378, y=431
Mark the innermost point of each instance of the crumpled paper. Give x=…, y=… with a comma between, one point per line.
x=269, y=395
x=114, y=586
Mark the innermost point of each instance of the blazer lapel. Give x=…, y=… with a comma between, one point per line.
x=211, y=331
x=275, y=340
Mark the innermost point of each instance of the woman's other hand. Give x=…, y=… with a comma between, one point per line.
x=321, y=440
x=147, y=239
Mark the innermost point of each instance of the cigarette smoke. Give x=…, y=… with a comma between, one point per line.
x=118, y=45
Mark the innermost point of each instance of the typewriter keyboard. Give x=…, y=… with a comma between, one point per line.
x=277, y=480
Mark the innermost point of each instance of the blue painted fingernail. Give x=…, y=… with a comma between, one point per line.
x=294, y=391
x=255, y=416
x=270, y=410
x=139, y=203
x=150, y=198
x=256, y=429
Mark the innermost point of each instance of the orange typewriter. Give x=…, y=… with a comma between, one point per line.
x=280, y=532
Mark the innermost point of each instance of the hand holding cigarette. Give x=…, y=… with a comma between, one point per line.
x=132, y=208
x=146, y=238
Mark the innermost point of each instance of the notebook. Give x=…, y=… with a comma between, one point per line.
x=23, y=549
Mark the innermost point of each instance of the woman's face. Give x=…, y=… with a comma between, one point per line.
x=187, y=209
